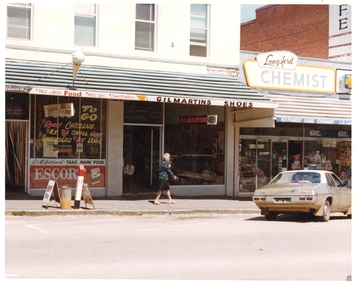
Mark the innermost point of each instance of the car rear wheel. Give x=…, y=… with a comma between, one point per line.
x=326, y=212
x=271, y=216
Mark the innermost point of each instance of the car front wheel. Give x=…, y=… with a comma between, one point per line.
x=326, y=212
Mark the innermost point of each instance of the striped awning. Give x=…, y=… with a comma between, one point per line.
x=127, y=84
x=318, y=109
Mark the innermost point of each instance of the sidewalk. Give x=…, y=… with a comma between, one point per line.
x=23, y=204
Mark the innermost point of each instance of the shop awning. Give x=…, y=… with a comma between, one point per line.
x=312, y=109
x=126, y=84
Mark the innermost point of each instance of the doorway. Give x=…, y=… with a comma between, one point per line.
x=295, y=153
x=142, y=148
x=15, y=159
x=279, y=157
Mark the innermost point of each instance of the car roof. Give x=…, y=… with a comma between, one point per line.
x=307, y=170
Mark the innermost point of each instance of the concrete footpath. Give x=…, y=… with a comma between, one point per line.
x=18, y=204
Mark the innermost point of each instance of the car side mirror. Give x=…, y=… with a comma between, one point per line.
x=345, y=183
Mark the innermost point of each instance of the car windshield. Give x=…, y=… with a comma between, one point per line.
x=296, y=177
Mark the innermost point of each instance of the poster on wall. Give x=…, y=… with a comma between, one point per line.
x=48, y=150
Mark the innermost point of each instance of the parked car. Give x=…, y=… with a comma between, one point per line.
x=317, y=192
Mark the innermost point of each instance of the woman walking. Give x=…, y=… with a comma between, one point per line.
x=164, y=172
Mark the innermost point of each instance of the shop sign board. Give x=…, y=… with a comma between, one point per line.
x=343, y=81
x=65, y=172
x=208, y=120
x=59, y=110
x=52, y=186
x=313, y=121
x=303, y=78
x=159, y=99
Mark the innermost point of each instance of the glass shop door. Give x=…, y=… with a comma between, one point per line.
x=279, y=157
x=142, y=147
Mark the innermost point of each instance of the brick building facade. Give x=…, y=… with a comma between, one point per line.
x=302, y=29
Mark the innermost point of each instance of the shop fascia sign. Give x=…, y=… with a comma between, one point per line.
x=159, y=99
x=343, y=81
x=208, y=120
x=279, y=70
x=313, y=121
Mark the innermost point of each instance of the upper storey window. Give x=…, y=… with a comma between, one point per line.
x=198, y=29
x=85, y=24
x=19, y=20
x=145, y=27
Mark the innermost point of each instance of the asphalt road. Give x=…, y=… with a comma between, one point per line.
x=211, y=247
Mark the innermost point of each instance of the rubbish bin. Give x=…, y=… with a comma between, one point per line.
x=66, y=197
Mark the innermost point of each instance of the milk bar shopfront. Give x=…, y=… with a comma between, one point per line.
x=313, y=129
x=119, y=122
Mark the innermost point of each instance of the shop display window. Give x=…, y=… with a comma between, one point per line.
x=196, y=143
x=63, y=127
x=248, y=166
x=255, y=164
x=330, y=155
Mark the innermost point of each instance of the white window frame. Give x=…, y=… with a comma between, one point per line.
x=196, y=43
x=27, y=26
x=90, y=15
x=153, y=30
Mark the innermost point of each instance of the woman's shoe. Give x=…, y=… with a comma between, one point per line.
x=171, y=202
x=156, y=203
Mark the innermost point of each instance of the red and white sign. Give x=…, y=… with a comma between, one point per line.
x=59, y=110
x=65, y=175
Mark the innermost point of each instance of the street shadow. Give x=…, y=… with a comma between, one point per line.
x=297, y=218
x=9, y=195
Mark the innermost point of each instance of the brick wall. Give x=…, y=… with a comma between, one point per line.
x=302, y=29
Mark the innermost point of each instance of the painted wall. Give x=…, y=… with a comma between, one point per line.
x=53, y=37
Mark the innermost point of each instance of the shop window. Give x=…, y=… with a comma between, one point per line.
x=66, y=132
x=330, y=155
x=67, y=128
x=17, y=106
x=198, y=29
x=248, y=166
x=85, y=24
x=255, y=164
x=145, y=27
x=19, y=20
x=196, y=148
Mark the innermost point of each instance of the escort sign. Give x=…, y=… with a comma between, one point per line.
x=303, y=78
x=65, y=172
